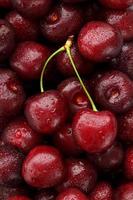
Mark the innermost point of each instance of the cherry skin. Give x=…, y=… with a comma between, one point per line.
x=5, y=4
x=125, y=126
x=65, y=67
x=24, y=28
x=73, y=92
x=124, y=192
x=31, y=8
x=128, y=164
x=124, y=61
x=94, y=131
x=46, y=112
x=114, y=91
x=19, y=134
x=62, y=21
x=19, y=197
x=80, y=173
x=45, y=195
x=43, y=167
x=102, y=191
x=65, y=141
x=28, y=59
x=10, y=166
x=117, y=4
x=111, y=159
x=7, y=41
x=99, y=41
x=122, y=20
x=70, y=194
x=12, y=99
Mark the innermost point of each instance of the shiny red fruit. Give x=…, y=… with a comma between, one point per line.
x=117, y=4
x=124, y=192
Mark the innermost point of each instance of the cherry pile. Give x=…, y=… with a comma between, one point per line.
x=66, y=100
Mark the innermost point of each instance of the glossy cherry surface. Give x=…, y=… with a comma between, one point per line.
x=46, y=112
x=124, y=192
x=99, y=41
x=43, y=167
x=28, y=59
x=94, y=131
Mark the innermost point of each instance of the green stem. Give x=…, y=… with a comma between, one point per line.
x=68, y=50
x=46, y=63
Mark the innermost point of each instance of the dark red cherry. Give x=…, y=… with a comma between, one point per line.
x=114, y=91
x=124, y=192
x=72, y=194
x=19, y=197
x=12, y=95
x=28, y=59
x=32, y=8
x=5, y=4
x=99, y=41
x=65, y=67
x=94, y=131
x=128, y=164
x=43, y=167
x=125, y=126
x=110, y=159
x=117, y=4
x=73, y=92
x=62, y=21
x=19, y=134
x=24, y=28
x=10, y=166
x=7, y=42
x=124, y=61
x=46, y=112
x=65, y=141
x=122, y=20
x=45, y=195
x=80, y=173
x=102, y=191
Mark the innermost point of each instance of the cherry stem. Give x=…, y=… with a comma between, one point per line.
x=46, y=64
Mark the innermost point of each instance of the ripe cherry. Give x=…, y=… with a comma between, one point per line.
x=117, y=4
x=99, y=41
x=19, y=197
x=5, y=4
x=46, y=112
x=43, y=167
x=128, y=164
x=124, y=192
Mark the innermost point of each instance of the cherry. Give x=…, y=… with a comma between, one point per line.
x=12, y=95
x=32, y=8
x=70, y=194
x=124, y=192
x=79, y=173
x=19, y=134
x=125, y=126
x=24, y=28
x=46, y=112
x=65, y=141
x=64, y=64
x=114, y=91
x=128, y=164
x=45, y=195
x=122, y=20
x=99, y=41
x=18, y=197
x=110, y=159
x=7, y=42
x=94, y=131
x=72, y=90
x=28, y=59
x=73, y=1
x=124, y=61
x=10, y=166
x=117, y=4
x=62, y=21
x=102, y=191
x=43, y=167
x=5, y=4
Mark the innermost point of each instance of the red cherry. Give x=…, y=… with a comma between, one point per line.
x=117, y=4
x=99, y=41
x=94, y=131
x=18, y=197
x=5, y=4
x=128, y=164
x=46, y=112
x=124, y=192
x=71, y=194
x=43, y=167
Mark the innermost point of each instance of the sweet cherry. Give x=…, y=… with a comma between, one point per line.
x=124, y=192
x=19, y=197
x=117, y=4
